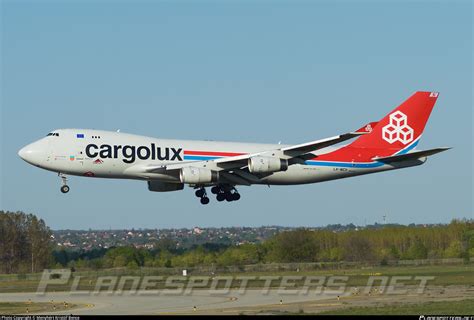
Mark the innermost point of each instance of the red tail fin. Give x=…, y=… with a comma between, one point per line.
x=398, y=132
x=402, y=126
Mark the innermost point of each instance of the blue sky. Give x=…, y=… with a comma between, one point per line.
x=257, y=71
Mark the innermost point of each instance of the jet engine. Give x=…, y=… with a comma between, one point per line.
x=194, y=175
x=159, y=186
x=260, y=164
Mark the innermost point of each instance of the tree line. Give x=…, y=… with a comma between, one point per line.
x=377, y=246
x=26, y=246
x=25, y=243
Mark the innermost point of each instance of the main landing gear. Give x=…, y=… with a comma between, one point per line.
x=201, y=193
x=222, y=192
x=64, y=187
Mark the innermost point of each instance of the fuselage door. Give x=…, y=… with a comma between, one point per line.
x=79, y=151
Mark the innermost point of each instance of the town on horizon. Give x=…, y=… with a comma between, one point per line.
x=188, y=237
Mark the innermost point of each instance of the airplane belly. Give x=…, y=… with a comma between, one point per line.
x=299, y=174
x=303, y=174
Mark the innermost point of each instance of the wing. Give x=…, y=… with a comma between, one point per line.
x=234, y=168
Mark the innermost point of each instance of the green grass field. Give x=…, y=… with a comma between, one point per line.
x=463, y=307
x=443, y=276
x=35, y=307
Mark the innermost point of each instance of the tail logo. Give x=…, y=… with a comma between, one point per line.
x=398, y=129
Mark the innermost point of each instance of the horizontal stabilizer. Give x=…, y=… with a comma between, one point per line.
x=410, y=156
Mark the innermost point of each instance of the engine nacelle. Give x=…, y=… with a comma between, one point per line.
x=261, y=164
x=194, y=175
x=159, y=186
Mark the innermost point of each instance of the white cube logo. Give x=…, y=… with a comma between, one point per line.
x=398, y=129
x=390, y=133
x=398, y=119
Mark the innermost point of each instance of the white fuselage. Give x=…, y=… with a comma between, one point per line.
x=106, y=154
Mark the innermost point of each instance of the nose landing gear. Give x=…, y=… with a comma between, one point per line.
x=64, y=187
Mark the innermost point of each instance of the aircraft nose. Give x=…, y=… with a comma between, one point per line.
x=32, y=153
x=23, y=153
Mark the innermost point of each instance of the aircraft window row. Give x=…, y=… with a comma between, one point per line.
x=54, y=134
x=95, y=137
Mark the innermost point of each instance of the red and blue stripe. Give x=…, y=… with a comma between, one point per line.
x=192, y=155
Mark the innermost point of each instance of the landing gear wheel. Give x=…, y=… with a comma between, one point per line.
x=65, y=189
x=220, y=197
x=215, y=190
x=204, y=200
x=200, y=193
x=236, y=196
x=229, y=196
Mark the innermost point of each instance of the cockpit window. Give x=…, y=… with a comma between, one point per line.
x=55, y=134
